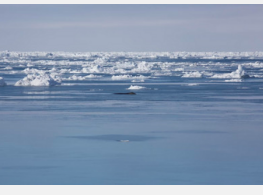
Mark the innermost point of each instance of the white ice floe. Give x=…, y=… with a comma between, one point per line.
x=80, y=78
x=192, y=84
x=142, y=67
x=234, y=80
x=135, y=87
x=2, y=82
x=238, y=74
x=93, y=69
x=29, y=65
x=8, y=68
x=33, y=71
x=138, y=81
x=127, y=77
x=178, y=69
x=192, y=75
x=39, y=80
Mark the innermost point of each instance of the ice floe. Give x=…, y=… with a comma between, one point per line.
x=8, y=68
x=234, y=80
x=135, y=87
x=39, y=80
x=238, y=74
x=127, y=77
x=80, y=78
x=192, y=84
x=192, y=75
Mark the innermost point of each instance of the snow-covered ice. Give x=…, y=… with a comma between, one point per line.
x=135, y=87
x=39, y=80
x=192, y=75
x=238, y=74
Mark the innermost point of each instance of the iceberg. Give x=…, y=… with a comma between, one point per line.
x=2, y=82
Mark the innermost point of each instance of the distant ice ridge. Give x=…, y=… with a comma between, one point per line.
x=135, y=87
x=2, y=82
x=8, y=68
x=127, y=77
x=80, y=78
x=39, y=79
x=234, y=80
x=192, y=75
x=192, y=84
x=238, y=74
x=101, y=57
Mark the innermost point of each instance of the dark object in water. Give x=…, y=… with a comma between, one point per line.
x=130, y=93
x=245, y=76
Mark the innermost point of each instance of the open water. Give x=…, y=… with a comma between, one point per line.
x=193, y=120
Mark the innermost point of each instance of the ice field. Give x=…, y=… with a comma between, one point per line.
x=68, y=118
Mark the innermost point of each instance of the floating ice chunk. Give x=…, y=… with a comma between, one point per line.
x=135, y=87
x=238, y=74
x=39, y=80
x=2, y=82
x=127, y=77
x=234, y=80
x=92, y=76
x=8, y=68
x=192, y=84
x=192, y=75
x=93, y=69
x=123, y=140
x=29, y=65
x=142, y=67
x=33, y=71
x=80, y=78
x=53, y=70
x=257, y=76
x=178, y=69
x=138, y=81
x=121, y=77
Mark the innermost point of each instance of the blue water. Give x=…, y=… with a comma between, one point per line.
x=208, y=133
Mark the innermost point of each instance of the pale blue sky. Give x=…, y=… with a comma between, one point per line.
x=131, y=27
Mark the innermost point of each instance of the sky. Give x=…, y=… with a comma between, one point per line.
x=135, y=28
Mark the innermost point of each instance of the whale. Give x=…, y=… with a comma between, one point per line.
x=130, y=93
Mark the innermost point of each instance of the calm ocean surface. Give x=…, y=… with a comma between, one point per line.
x=195, y=119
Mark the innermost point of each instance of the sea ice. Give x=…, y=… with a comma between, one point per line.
x=127, y=77
x=192, y=75
x=80, y=78
x=39, y=80
x=135, y=87
x=234, y=80
x=192, y=84
x=238, y=74
x=8, y=68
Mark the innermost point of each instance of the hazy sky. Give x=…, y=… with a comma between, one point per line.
x=131, y=27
